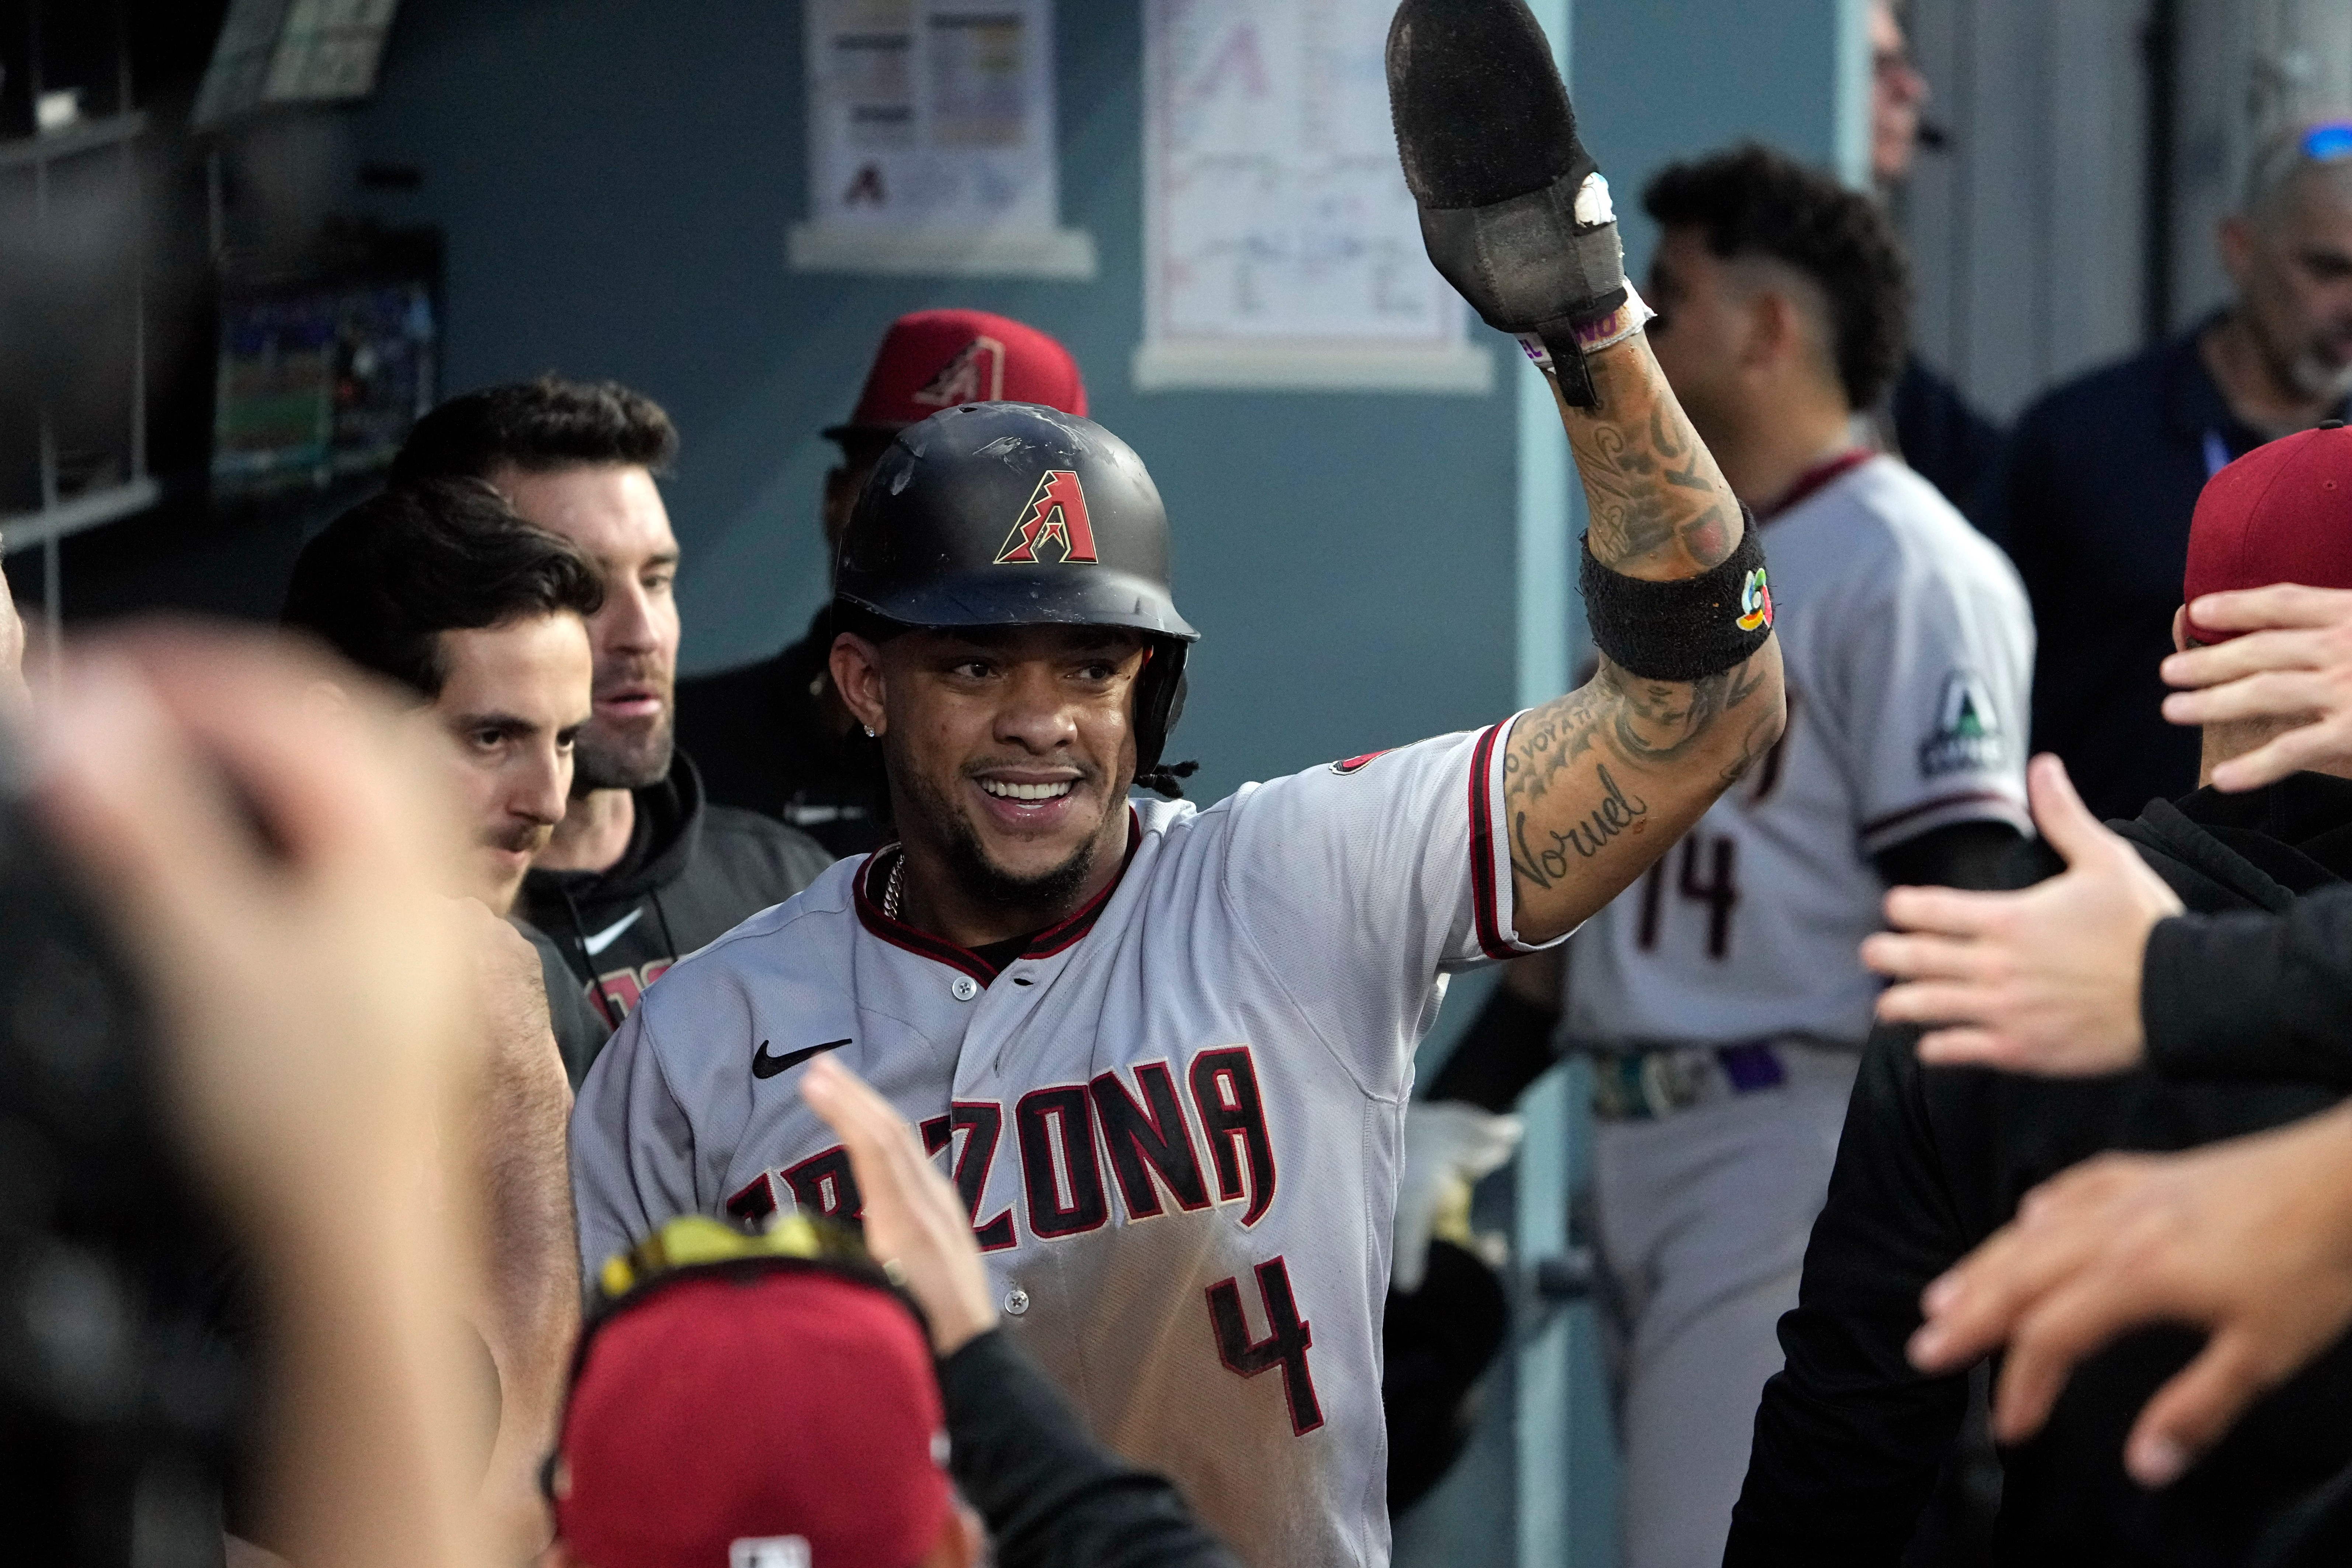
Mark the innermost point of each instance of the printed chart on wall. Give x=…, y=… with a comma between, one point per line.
x=931, y=141
x=1281, y=248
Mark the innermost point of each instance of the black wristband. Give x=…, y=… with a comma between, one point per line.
x=1687, y=628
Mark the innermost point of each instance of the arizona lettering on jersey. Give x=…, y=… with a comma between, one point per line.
x=1908, y=648
x=1175, y=1119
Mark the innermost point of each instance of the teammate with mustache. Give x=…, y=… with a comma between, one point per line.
x=642, y=870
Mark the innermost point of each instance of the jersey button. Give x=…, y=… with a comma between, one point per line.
x=963, y=988
x=1016, y=1302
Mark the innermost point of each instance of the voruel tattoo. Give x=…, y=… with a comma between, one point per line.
x=1546, y=863
x=1620, y=718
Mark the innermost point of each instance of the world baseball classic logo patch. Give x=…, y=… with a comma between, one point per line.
x=1055, y=519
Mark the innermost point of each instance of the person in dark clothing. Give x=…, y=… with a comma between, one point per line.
x=1932, y=1165
x=2097, y=488
x=579, y=1029
x=1926, y=420
x=690, y=873
x=1849, y=1435
x=2249, y=1240
x=1944, y=438
x=2061, y=979
x=641, y=870
x=770, y=735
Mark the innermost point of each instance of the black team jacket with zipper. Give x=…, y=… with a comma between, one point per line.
x=1849, y=1435
x=692, y=872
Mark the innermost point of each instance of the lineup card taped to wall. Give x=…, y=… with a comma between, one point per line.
x=1281, y=245
x=929, y=117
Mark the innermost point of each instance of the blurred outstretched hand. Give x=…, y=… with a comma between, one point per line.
x=2046, y=980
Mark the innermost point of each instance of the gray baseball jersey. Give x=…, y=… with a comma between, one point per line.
x=1907, y=644
x=1175, y=1117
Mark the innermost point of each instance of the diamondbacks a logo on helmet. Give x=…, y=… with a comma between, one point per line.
x=1055, y=515
x=976, y=374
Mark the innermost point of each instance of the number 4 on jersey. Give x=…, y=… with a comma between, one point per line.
x=1284, y=1345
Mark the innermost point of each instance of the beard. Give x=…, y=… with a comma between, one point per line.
x=630, y=760
x=2316, y=377
x=983, y=881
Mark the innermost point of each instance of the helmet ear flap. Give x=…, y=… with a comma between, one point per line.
x=1159, y=701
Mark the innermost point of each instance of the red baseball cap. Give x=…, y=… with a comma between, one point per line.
x=936, y=359
x=784, y=1416
x=2282, y=514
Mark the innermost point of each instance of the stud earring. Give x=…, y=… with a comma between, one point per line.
x=869, y=731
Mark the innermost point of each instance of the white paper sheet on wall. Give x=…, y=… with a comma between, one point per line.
x=931, y=140
x=1281, y=248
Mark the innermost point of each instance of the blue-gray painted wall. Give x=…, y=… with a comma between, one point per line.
x=617, y=177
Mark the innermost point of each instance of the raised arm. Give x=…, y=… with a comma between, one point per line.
x=1516, y=217
x=1600, y=782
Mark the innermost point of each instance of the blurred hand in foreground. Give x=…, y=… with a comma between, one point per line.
x=2294, y=666
x=2046, y=980
x=2249, y=1240
x=916, y=1223
x=271, y=870
x=13, y=697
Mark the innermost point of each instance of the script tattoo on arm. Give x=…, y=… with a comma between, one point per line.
x=1562, y=810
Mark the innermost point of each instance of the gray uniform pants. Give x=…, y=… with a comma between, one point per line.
x=1702, y=1219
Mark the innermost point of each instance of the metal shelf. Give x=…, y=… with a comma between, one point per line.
x=83, y=136
x=22, y=530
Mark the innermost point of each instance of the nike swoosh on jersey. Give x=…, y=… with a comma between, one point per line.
x=765, y=1066
x=605, y=938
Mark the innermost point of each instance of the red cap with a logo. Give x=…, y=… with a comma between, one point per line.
x=787, y=1419
x=2282, y=514
x=936, y=359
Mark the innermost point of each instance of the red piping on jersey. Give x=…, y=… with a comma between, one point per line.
x=1482, y=850
x=1820, y=475
x=1964, y=797
x=1055, y=938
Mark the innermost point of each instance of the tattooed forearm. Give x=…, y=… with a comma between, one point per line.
x=1585, y=775
x=1540, y=854
x=1549, y=737
x=1659, y=721
x=1659, y=505
x=1646, y=723
x=1763, y=734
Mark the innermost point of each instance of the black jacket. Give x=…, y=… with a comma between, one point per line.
x=1848, y=1435
x=765, y=742
x=1947, y=443
x=2286, y=1011
x=579, y=1029
x=2093, y=503
x=692, y=872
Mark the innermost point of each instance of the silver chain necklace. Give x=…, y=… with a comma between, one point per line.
x=896, y=887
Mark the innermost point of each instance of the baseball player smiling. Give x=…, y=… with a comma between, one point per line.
x=1164, y=1051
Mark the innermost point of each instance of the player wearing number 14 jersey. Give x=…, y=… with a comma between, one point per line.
x=1164, y=1051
